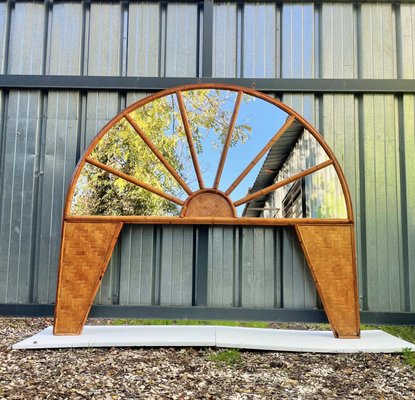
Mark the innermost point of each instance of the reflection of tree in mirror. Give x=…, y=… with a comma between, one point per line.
x=100, y=193
x=211, y=110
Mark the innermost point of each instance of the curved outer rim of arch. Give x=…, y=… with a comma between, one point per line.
x=209, y=220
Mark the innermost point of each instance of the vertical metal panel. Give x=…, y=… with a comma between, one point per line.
x=3, y=34
x=133, y=97
x=3, y=100
x=407, y=41
x=21, y=149
x=104, y=47
x=137, y=269
x=58, y=163
x=298, y=285
x=176, y=269
x=408, y=193
x=181, y=39
x=64, y=55
x=339, y=124
x=222, y=266
x=144, y=39
x=27, y=38
x=259, y=40
x=97, y=109
x=377, y=41
x=258, y=267
x=298, y=41
x=304, y=104
x=338, y=41
x=101, y=107
x=382, y=203
x=226, y=40
x=109, y=289
x=298, y=288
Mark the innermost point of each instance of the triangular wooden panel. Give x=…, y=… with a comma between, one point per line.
x=86, y=251
x=330, y=253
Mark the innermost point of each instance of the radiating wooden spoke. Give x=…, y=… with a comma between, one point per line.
x=246, y=171
x=228, y=140
x=190, y=140
x=134, y=181
x=282, y=183
x=158, y=154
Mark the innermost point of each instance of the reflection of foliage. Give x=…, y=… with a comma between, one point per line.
x=100, y=193
x=325, y=195
x=209, y=110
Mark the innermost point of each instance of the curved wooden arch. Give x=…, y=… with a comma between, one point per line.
x=88, y=241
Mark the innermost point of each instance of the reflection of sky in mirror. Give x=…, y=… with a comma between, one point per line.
x=263, y=120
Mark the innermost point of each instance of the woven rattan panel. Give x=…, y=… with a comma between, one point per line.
x=86, y=251
x=330, y=254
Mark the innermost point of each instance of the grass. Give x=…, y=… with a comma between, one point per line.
x=230, y=357
x=408, y=357
x=404, y=332
x=188, y=322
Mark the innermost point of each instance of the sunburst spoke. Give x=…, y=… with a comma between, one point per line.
x=258, y=157
x=134, y=181
x=189, y=137
x=282, y=183
x=158, y=154
x=228, y=140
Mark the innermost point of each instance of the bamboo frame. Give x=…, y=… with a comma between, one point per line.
x=243, y=221
x=189, y=137
x=308, y=230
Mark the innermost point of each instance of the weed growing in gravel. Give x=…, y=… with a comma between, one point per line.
x=230, y=357
x=408, y=357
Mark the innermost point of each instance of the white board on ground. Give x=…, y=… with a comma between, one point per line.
x=374, y=341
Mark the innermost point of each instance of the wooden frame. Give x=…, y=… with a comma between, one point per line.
x=83, y=262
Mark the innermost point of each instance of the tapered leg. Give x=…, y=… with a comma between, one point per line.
x=330, y=252
x=85, y=252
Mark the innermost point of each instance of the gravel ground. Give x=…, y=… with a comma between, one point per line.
x=126, y=373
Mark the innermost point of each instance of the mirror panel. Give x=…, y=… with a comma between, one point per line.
x=161, y=121
x=209, y=112
x=258, y=121
x=150, y=146
x=98, y=192
x=324, y=194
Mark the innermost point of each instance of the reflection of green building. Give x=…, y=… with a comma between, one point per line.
x=318, y=195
